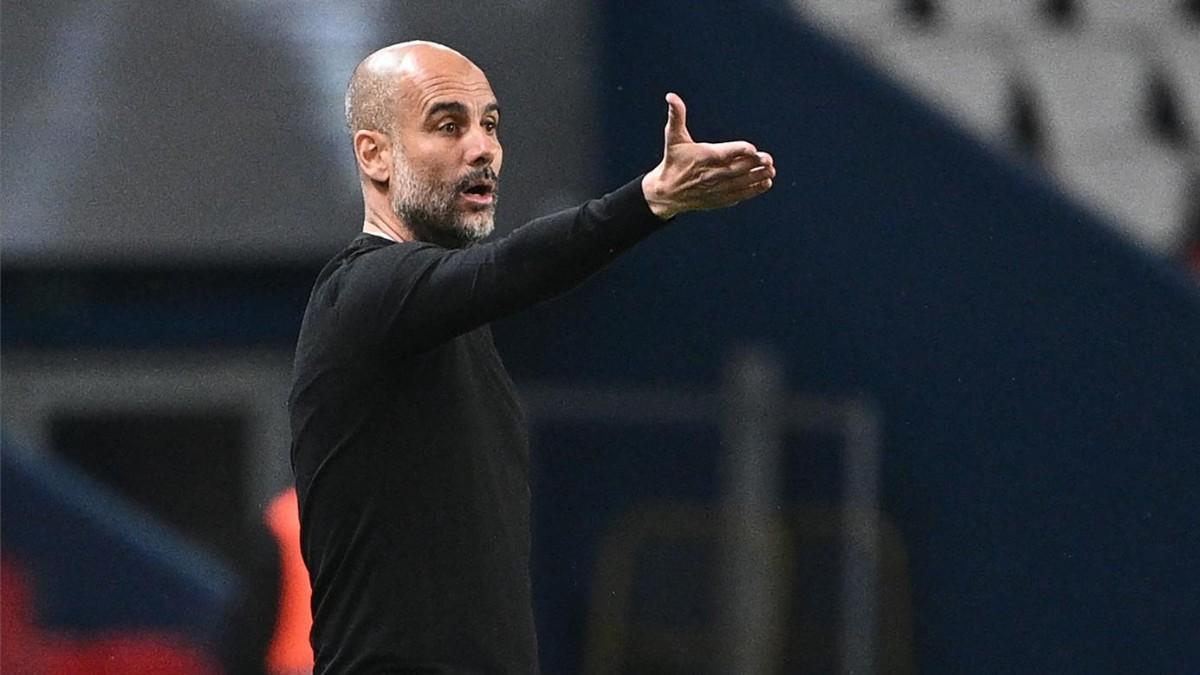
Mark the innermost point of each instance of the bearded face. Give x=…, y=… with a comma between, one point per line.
x=451, y=214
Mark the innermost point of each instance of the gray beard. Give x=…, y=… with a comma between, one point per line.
x=431, y=210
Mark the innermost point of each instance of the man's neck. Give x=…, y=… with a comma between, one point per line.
x=371, y=228
x=385, y=224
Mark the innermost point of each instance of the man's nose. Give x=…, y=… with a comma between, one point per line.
x=481, y=148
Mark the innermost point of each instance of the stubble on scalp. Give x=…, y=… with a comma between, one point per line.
x=373, y=94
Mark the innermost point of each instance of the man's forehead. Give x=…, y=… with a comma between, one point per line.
x=432, y=92
x=426, y=76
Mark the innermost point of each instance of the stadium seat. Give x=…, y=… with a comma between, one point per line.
x=1089, y=90
x=971, y=82
x=1153, y=14
x=1180, y=56
x=863, y=21
x=1111, y=102
x=1006, y=15
x=1144, y=192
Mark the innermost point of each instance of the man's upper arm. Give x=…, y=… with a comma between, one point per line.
x=422, y=294
x=425, y=294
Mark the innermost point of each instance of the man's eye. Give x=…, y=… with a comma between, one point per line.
x=489, y=125
x=448, y=127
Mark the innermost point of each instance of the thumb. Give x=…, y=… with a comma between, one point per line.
x=676, y=121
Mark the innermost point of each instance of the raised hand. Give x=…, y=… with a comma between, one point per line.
x=697, y=176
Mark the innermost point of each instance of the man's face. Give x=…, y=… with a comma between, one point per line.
x=447, y=156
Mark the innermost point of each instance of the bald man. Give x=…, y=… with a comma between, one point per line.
x=408, y=443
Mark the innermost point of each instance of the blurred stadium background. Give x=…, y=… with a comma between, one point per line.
x=929, y=406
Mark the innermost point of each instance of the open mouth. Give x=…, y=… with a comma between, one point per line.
x=478, y=188
x=481, y=192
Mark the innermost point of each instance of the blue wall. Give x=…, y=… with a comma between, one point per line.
x=1039, y=376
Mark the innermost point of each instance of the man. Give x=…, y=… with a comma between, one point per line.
x=409, y=445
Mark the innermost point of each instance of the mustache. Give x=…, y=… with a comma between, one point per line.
x=473, y=177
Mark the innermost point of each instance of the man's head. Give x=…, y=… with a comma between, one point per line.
x=424, y=121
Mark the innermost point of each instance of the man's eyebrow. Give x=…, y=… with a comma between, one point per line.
x=452, y=107
x=459, y=108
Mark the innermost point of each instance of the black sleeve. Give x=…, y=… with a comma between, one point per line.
x=418, y=295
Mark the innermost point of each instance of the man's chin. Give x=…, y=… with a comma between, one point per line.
x=475, y=232
x=477, y=223
x=465, y=233
x=450, y=230
x=476, y=219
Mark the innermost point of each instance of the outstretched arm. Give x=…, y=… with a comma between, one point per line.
x=698, y=176
x=428, y=294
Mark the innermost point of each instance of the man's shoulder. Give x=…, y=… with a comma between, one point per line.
x=357, y=282
x=370, y=254
x=366, y=244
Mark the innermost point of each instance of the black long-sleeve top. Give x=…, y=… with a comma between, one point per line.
x=410, y=447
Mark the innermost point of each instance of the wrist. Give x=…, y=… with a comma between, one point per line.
x=654, y=194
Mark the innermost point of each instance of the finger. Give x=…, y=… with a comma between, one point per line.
x=677, y=120
x=743, y=164
x=749, y=178
x=731, y=150
x=743, y=171
x=750, y=191
x=739, y=165
x=767, y=171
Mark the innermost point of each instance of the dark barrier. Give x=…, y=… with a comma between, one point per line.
x=1038, y=376
x=100, y=567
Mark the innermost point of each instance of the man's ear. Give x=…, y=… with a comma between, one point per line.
x=373, y=152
